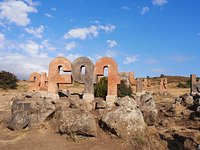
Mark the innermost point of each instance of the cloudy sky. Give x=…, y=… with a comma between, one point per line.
x=148, y=37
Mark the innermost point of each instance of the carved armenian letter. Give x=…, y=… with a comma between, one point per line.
x=87, y=78
x=35, y=78
x=113, y=77
x=55, y=78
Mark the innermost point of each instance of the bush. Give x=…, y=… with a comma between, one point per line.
x=123, y=90
x=184, y=85
x=8, y=80
x=100, y=89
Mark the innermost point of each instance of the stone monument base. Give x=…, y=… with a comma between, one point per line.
x=88, y=97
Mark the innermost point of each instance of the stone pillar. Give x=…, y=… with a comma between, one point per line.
x=132, y=78
x=55, y=78
x=163, y=84
x=145, y=84
x=139, y=86
x=44, y=82
x=113, y=77
x=193, y=82
x=86, y=78
x=35, y=80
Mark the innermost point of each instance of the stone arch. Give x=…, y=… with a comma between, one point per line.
x=113, y=76
x=87, y=78
x=35, y=79
x=55, y=78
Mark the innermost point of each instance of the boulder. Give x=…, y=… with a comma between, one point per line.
x=75, y=121
x=148, y=108
x=81, y=104
x=125, y=120
x=101, y=104
x=19, y=121
x=29, y=112
x=187, y=100
x=198, y=111
x=36, y=95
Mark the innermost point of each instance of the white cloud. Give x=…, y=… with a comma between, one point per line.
x=70, y=46
x=111, y=43
x=90, y=32
x=144, y=10
x=159, y=2
x=125, y=8
x=48, y=15
x=54, y=9
x=23, y=66
x=16, y=12
x=31, y=48
x=37, y=32
x=72, y=57
x=2, y=38
x=131, y=59
x=111, y=53
x=46, y=45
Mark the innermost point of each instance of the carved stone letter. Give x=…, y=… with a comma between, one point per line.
x=35, y=78
x=86, y=78
x=54, y=77
x=113, y=77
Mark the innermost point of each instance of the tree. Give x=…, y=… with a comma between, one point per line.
x=8, y=80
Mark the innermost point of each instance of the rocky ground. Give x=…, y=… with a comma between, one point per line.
x=156, y=120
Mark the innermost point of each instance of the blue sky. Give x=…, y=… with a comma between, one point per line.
x=148, y=37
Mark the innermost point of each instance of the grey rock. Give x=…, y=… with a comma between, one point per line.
x=125, y=120
x=30, y=112
x=101, y=104
x=187, y=100
x=19, y=121
x=76, y=121
x=36, y=95
x=148, y=107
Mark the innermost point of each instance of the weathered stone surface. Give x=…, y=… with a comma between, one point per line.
x=36, y=95
x=187, y=100
x=101, y=104
x=132, y=78
x=52, y=96
x=29, y=112
x=19, y=121
x=81, y=104
x=139, y=86
x=113, y=77
x=86, y=78
x=194, y=84
x=55, y=78
x=76, y=121
x=163, y=84
x=125, y=120
x=148, y=107
x=198, y=111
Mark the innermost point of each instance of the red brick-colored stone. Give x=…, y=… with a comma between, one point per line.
x=55, y=78
x=35, y=80
x=113, y=77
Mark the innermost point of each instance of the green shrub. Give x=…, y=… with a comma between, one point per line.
x=8, y=80
x=184, y=85
x=100, y=89
x=123, y=90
